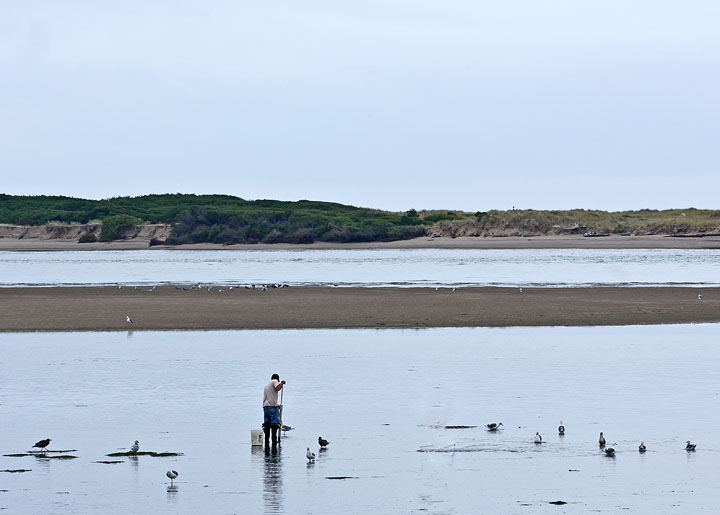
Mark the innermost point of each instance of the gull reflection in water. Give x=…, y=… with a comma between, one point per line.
x=134, y=460
x=172, y=493
x=272, y=481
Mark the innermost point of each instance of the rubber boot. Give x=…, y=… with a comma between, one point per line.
x=266, y=430
x=274, y=434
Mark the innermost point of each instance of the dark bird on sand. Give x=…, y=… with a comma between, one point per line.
x=493, y=426
x=42, y=444
x=172, y=474
x=322, y=441
x=688, y=447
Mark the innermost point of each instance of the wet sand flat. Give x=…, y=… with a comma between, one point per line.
x=171, y=307
x=568, y=241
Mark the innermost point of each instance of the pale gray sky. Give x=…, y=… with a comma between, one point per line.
x=461, y=104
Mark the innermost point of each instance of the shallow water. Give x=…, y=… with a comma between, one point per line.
x=383, y=399
x=401, y=267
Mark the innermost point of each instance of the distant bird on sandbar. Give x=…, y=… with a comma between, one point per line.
x=310, y=455
x=641, y=447
x=561, y=429
x=520, y=289
x=610, y=451
x=135, y=447
x=688, y=447
x=128, y=319
x=322, y=441
x=42, y=444
x=699, y=297
x=538, y=438
x=601, y=440
x=454, y=288
x=493, y=426
x=172, y=474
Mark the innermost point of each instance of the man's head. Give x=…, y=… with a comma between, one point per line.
x=275, y=376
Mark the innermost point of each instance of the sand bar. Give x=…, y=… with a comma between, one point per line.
x=514, y=242
x=171, y=307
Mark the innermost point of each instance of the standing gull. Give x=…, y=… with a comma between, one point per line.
x=699, y=296
x=310, y=455
x=538, y=438
x=561, y=429
x=128, y=319
x=493, y=426
x=172, y=474
x=42, y=444
x=601, y=440
x=135, y=447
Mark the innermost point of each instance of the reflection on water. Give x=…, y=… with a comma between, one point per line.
x=407, y=408
x=273, y=480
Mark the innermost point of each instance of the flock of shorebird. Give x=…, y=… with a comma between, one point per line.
x=172, y=474
x=609, y=451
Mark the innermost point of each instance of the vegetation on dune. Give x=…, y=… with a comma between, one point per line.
x=646, y=221
x=219, y=218
x=226, y=219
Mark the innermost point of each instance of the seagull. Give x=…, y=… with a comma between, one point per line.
x=454, y=288
x=310, y=455
x=610, y=451
x=538, y=438
x=561, y=428
x=520, y=289
x=285, y=428
x=42, y=444
x=642, y=447
x=601, y=440
x=135, y=447
x=688, y=447
x=172, y=474
x=699, y=296
x=493, y=426
x=322, y=441
x=128, y=319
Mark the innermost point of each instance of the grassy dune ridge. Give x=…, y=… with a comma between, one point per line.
x=228, y=219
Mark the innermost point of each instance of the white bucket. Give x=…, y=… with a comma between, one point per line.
x=256, y=437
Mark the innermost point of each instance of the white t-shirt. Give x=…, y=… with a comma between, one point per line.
x=270, y=393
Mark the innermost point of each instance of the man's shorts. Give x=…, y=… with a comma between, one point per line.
x=272, y=415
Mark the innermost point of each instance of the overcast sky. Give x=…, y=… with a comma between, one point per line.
x=462, y=104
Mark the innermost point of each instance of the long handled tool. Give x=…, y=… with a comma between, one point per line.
x=281, y=410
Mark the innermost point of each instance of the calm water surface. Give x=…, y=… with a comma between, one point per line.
x=383, y=399
x=411, y=267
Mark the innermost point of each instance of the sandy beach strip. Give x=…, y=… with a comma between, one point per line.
x=171, y=307
x=465, y=242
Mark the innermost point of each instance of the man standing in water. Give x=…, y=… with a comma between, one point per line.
x=271, y=409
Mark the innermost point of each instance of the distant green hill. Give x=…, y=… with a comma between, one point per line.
x=228, y=219
x=219, y=218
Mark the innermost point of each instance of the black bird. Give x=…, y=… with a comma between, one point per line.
x=493, y=426
x=641, y=447
x=561, y=429
x=688, y=447
x=42, y=444
x=601, y=440
x=322, y=441
x=609, y=451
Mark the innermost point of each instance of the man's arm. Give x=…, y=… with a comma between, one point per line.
x=280, y=385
